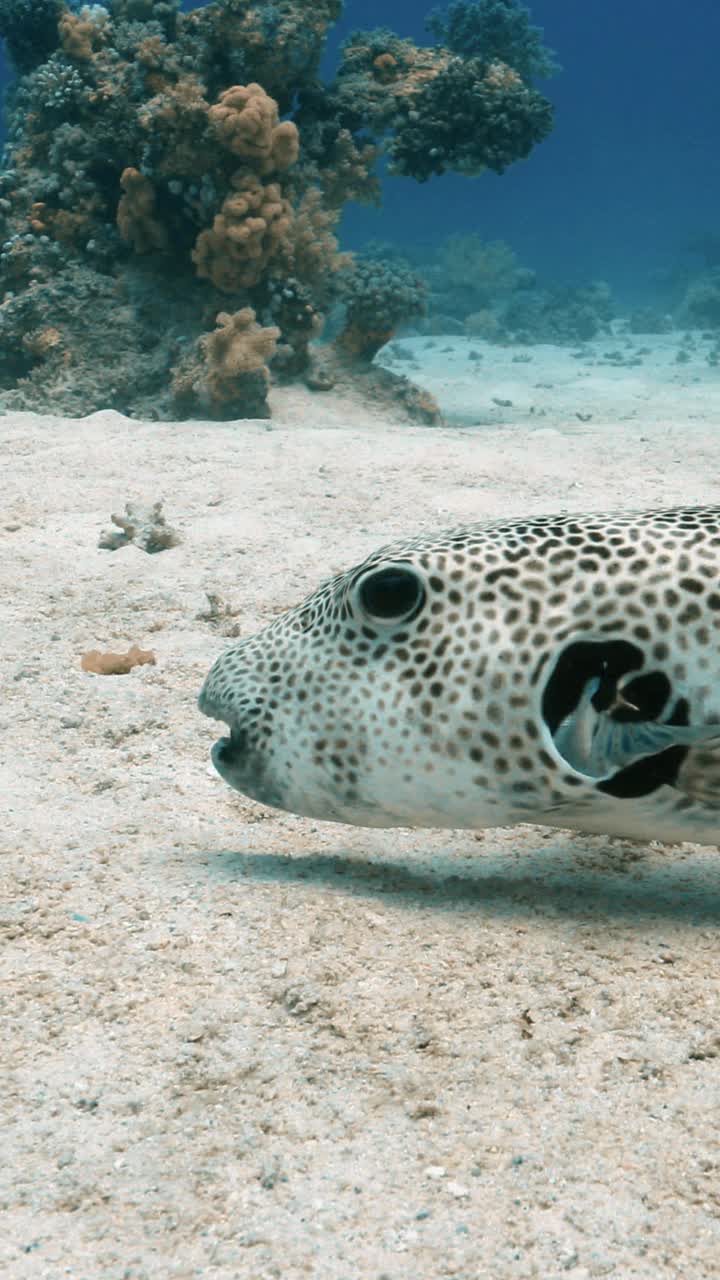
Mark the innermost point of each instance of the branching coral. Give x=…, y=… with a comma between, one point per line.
x=568, y=314
x=379, y=296
x=436, y=111
x=701, y=304
x=136, y=217
x=164, y=167
x=145, y=526
x=496, y=31
x=175, y=126
x=481, y=271
x=81, y=34
x=470, y=117
x=279, y=45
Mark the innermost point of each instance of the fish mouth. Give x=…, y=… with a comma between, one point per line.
x=228, y=752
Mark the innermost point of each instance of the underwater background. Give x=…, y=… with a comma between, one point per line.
x=307, y=176
x=630, y=173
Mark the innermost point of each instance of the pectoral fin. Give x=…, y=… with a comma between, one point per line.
x=597, y=746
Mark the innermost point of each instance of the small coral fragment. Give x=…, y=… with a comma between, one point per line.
x=220, y=614
x=116, y=664
x=145, y=526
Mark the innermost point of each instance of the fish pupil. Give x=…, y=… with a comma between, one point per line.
x=391, y=594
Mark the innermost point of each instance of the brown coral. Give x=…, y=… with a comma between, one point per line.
x=360, y=342
x=136, y=213
x=309, y=248
x=246, y=121
x=500, y=76
x=42, y=342
x=79, y=36
x=385, y=67
x=228, y=377
x=347, y=172
x=175, y=123
x=68, y=226
x=238, y=346
x=381, y=81
x=247, y=233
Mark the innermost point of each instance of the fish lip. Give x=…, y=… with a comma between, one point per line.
x=227, y=752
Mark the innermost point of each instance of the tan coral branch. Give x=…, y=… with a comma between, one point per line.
x=247, y=122
x=238, y=346
x=248, y=232
x=136, y=218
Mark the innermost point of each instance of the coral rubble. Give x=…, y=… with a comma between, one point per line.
x=146, y=527
x=173, y=181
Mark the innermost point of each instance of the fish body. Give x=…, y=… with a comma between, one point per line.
x=561, y=670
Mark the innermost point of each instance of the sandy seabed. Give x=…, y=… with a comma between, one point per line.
x=237, y=1043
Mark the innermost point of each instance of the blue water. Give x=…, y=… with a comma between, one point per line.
x=631, y=171
x=632, y=168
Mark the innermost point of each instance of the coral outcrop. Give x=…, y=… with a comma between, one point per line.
x=378, y=296
x=496, y=30
x=701, y=303
x=173, y=182
x=228, y=376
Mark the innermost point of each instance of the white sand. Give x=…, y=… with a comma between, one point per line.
x=240, y=1044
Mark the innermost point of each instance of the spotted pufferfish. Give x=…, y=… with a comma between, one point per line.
x=560, y=670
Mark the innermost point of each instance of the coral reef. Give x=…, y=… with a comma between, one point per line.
x=478, y=287
x=136, y=215
x=649, y=319
x=472, y=116
x=378, y=295
x=438, y=111
x=496, y=30
x=173, y=182
x=30, y=30
x=701, y=303
x=246, y=121
x=560, y=314
x=470, y=274
x=246, y=235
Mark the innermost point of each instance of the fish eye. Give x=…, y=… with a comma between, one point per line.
x=392, y=594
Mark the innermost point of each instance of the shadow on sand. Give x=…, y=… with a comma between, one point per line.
x=556, y=882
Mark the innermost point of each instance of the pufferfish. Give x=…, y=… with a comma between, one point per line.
x=560, y=670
